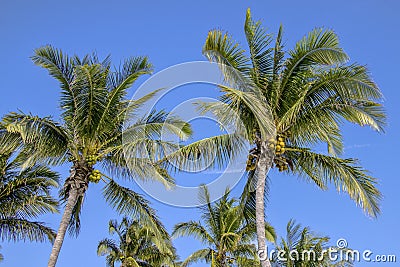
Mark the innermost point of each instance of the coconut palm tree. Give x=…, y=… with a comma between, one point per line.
x=94, y=105
x=25, y=194
x=225, y=231
x=135, y=246
x=308, y=92
x=303, y=248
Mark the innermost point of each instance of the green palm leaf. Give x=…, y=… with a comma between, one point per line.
x=344, y=174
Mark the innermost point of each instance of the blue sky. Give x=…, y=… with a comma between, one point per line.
x=172, y=32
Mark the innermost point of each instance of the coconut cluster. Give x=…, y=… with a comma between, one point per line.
x=91, y=159
x=95, y=176
x=279, y=146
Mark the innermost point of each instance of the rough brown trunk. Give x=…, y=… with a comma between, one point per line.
x=263, y=166
x=75, y=186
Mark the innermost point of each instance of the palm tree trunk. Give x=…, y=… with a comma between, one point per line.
x=66, y=218
x=263, y=165
x=75, y=186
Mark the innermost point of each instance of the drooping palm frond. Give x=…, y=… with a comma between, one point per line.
x=157, y=123
x=16, y=229
x=44, y=140
x=126, y=201
x=27, y=197
x=61, y=67
x=345, y=174
x=220, y=48
x=205, y=153
x=199, y=255
x=74, y=226
x=111, y=252
x=194, y=229
x=25, y=194
x=248, y=196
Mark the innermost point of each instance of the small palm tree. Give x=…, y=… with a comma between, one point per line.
x=225, y=231
x=135, y=246
x=94, y=106
x=303, y=248
x=25, y=194
x=306, y=94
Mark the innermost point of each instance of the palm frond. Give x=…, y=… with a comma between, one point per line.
x=16, y=229
x=221, y=49
x=90, y=82
x=128, y=202
x=61, y=67
x=74, y=226
x=248, y=196
x=209, y=152
x=106, y=247
x=260, y=52
x=253, y=101
x=116, y=106
x=194, y=229
x=345, y=174
x=199, y=255
x=319, y=47
x=45, y=140
x=158, y=123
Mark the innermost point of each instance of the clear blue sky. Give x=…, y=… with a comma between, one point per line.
x=172, y=32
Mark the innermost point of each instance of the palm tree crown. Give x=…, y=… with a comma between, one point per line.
x=307, y=93
x=225, y=231
x=135, y=246
x=303, y=248
x=94, y=107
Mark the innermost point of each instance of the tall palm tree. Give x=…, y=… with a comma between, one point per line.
x=25, y=194
x=225, y=231
x=135, y=246
x=94, y=105
x=308, y=92
x=303, y=248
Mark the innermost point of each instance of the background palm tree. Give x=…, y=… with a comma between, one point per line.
x=136, y=246
x=308, y=92
x=225, y=231
x=94, y=105
x=25, y=194
x=303, y=248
